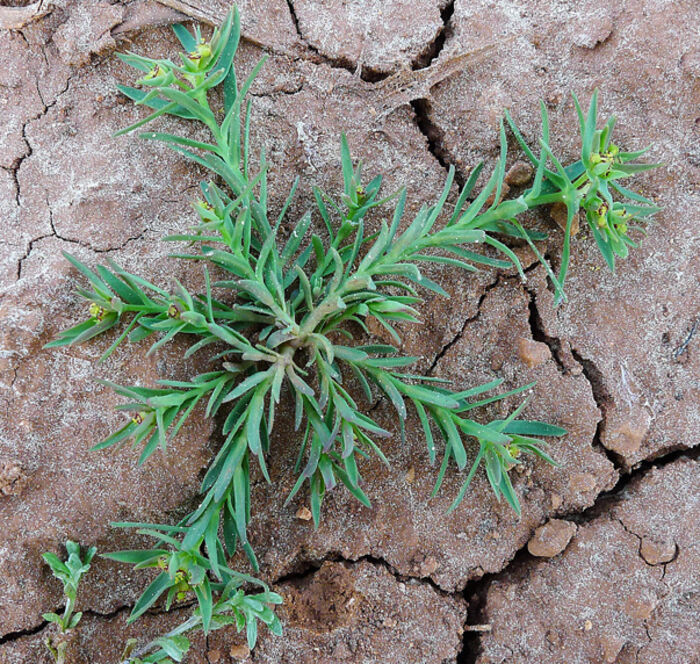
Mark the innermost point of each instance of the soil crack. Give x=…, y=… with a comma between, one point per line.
x=538, y=334
x=81, y=243
x=92, y=613
x=31, y=631
x=475, y=593
x=434, y=48
x=308, y=568
x=460, y=333
x=422, y=107
x=603, y=398
x=365, y=73
x=30, y=150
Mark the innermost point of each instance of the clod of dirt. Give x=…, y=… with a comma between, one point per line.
x=626, y=429
x=519, y=174
x=533, y=353
x=505, y=190
x=657, y=552
x=325, y=601
x=551, y=538
x=239, y=652
x=13, y=479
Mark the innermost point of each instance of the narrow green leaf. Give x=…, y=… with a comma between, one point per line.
x=157, y=587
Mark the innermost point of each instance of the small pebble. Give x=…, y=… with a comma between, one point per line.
x=519, y=174
x=657, y=552
x=551, y=538
x=533, y=353
x=240, y=652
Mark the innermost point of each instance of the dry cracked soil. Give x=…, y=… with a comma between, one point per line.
x=603, y=566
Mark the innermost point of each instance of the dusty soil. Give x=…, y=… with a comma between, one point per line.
x=603, y=564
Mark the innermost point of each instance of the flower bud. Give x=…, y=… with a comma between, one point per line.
x=96, y=311
x=139, y=417
x=201, y=55
x=173, y=311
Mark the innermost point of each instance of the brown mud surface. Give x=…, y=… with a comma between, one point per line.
x=603, y=565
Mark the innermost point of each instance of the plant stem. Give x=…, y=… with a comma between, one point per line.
x=70, y=602
x=61, y=653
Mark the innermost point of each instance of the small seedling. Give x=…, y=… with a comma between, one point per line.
x=287, y=318
x=185, y=573
x=69, y=573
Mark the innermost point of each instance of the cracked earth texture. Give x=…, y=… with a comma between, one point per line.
x=603, y=564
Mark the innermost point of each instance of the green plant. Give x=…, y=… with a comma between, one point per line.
x=276, y=319
x=586, y=185
x=69, y=573
x=185, y=572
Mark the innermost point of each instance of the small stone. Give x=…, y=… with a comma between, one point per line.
x=559, y=214
x=551, y=538
x=304, y=513
x=389, y=622
x=657, y=552
x=240, y=652
x=410, y=475
x=214, y=656
x=626, y=435
x=587, y=626
x=519, y=174
x=533, y=353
